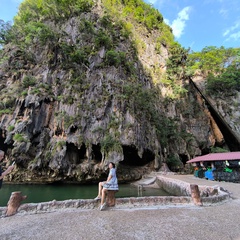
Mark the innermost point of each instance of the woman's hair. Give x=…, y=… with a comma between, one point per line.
x=113, y=164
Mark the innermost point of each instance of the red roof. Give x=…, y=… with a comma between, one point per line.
x=216, y=157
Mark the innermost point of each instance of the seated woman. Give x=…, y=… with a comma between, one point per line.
x=110, y=184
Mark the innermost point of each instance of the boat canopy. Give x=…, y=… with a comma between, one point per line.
x=217, y=157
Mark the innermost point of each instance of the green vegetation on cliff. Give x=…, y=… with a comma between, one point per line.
x=35, y=25
x=89, y=78
x=228, y=82
x=220, y=66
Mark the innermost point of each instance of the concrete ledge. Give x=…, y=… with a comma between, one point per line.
x=209, y=195
x=121, y=203
x=173, y=186
x=178, y=188
x=151, y=201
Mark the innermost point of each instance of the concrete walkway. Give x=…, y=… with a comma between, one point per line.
x=217, y=222
x=233, y=188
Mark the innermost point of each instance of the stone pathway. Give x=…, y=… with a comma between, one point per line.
x=217, y=222
x=233, y=188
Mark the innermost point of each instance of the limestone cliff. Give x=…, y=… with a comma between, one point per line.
x=89, y=92
x=226, y=105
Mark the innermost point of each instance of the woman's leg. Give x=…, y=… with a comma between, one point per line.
x=104, y=191
x=100, y=186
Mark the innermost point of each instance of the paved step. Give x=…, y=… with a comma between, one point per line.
x=145, y=181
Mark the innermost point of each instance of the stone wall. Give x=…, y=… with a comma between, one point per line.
x=178, y=188
x=173, y=186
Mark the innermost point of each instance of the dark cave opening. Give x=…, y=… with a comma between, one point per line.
x=184, y=158
x=74, y=154
x=73, y=129
x=22, y=108
x=77, y=156
x=58, y=131
x=4, y=147
x=131, y=157
x=47, y=100
x=96, y=153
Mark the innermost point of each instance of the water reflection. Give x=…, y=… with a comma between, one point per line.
x=45, y=193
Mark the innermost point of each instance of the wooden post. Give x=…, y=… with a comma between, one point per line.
x=195, y=193
x=111, y=200
x=14, y=203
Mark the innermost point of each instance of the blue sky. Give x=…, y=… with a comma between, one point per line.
x=195, y=23
x=8, y=9
x=200, y=23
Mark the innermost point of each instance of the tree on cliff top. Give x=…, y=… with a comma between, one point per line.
x=220, y=66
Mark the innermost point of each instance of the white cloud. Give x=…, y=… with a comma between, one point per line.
x=167, y=21
x=233, y=33
x=231, y=29
x=152, y=1
x=178, y=25
x=234, y=36
x=223, y=12
x=228, y=8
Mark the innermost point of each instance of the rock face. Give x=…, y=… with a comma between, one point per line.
x=227, y=108
x=87, y=95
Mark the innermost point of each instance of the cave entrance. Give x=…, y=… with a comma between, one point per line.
x=75, y=155
x=3, y=146
x=96, y=153
x=131, y=157
x=184, y=158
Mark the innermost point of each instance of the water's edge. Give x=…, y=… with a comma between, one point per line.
x=172, y=185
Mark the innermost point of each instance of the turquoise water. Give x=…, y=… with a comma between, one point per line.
x=45, y=193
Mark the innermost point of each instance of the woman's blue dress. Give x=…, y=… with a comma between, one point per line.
x=113, y=183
